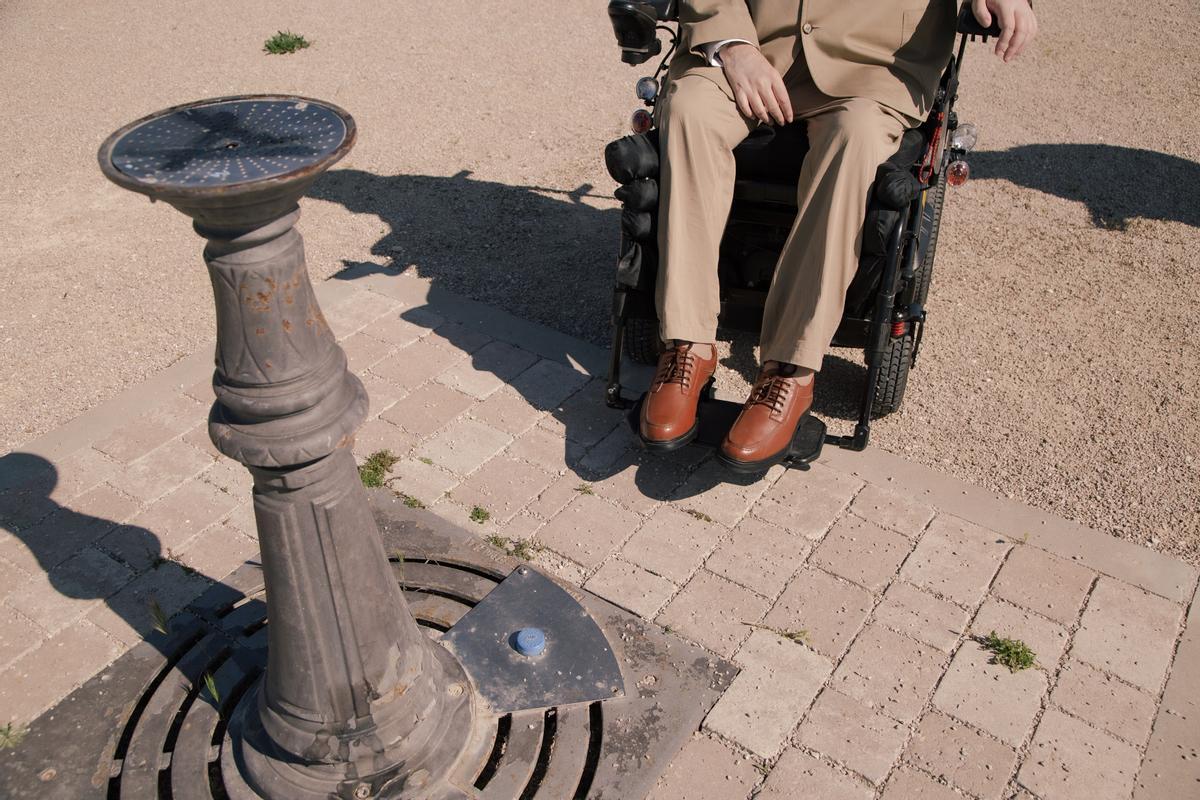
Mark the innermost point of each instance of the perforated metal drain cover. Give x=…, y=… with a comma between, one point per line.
x=150, y=727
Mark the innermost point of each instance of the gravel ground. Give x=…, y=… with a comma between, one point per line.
x=1057, y=368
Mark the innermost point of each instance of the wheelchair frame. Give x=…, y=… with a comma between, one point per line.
x=899, y=308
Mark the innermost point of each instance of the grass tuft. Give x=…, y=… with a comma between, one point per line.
x=157, y=616
x=480, y=515
x=700, y=515
x=585, y=488
x=1011, y=653
x=374, y=470
x=10, y=736
x=210, y=684
x=425, y=460
x=285, y=42
x=517, y=548
x=797, y=636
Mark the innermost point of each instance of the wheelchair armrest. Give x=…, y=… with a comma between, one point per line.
x=635, y=24
x=967, y=24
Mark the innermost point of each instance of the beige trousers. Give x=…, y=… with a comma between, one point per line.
x=699, y=127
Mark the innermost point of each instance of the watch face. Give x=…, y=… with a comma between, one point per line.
x=229, y=142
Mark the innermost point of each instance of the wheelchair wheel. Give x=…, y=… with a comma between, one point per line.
x=931, y=223
x=893, y=375
x=642, y=344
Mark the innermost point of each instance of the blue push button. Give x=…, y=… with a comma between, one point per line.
x=530, y=641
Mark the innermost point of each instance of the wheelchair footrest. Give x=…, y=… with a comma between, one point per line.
x=717, y=417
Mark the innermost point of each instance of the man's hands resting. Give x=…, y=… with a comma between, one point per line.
x=1018, y=25
x=757, y=87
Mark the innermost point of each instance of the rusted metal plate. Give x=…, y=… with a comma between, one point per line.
x=576, y=666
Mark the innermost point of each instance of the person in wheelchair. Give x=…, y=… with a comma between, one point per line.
x=858, y=73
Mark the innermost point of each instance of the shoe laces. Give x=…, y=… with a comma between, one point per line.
x=678, y=368
x=771, y=391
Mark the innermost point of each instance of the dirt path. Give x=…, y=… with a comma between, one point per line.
x=1059, y=365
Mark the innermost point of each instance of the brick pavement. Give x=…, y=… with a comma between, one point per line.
x=850, y=595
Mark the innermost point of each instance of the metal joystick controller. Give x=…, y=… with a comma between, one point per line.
x=355, y=700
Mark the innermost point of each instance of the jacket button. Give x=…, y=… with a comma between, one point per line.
x=807, y=27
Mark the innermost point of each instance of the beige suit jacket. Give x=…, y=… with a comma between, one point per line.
x=890, y=51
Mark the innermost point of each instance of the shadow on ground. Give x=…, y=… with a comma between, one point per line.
x=1116, y=183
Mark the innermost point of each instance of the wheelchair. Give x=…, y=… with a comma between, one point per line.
x=885, y=312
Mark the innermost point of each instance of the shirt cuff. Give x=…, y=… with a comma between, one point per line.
x=711, y=51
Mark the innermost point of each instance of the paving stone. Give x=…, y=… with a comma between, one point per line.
x=128, y=615
x=67, y=531
x=892, y=511
x=819, y=779
x=356, y=311
x=956, y=559
x=961, y=755
x=706, y=770
x=584, y=417
x=198, y=438
x=18, y=634
x=428, y=409
x=631, y=587
x=488, y=369
x=889, y=672
x=503, y=486
x=830, y=610
x=725, y=497
x=588, y=530
x=466, y=517
x=1128, y=632
x=845, y=730
x=230, y=477
x=179, y=516
x=152, y=429
x=540, y=446
x=78, y=472
x=916, y=613
x=615, y=452
x=672, y=544
x=25, y=505
x=1069, y=759
x=759, y=555
x=379, y=434
x=862, y=552
x=807, y=502
x=548, y=383
x=765, y=702
x=557, y=496
x=381, y=394
x=507, y=411
x=218, y=550
x=160, y=471
x=45, y=675
x=990, y=697
x=714, y=613
x=202, y=390
x=242, y=519
x=412, y=366
x=458, y=337
x=1105, y=702
x=638, y=481
x=563, y=568
x=363, y=351
x=395, y=327
x=424, y=482
x=1048, y=640
x=57, y=598
x=906, y=784
x=1052, y=586
x=464, y=445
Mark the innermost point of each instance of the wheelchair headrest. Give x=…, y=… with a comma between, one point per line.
x=634, y=23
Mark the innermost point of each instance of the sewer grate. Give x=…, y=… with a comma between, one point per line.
x=150, y=726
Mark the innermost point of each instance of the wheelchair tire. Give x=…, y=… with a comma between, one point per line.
x=642, y=344
x=893, y=375
x=924, y=273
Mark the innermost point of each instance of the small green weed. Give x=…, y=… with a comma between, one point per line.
x=158, y=617
x=480, y=515
x=210, y=685
x=700, y=515
x=10, y=736
x=425, y=460
x=585, y=488
x=374, y=470
x=518, y=548
x=797, y=636
x=1011, y=653
x=412, y=502
x=284, y=42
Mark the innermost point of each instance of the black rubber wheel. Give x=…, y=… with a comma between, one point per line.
x=924, y=273
x=893, y=375
x=642, y=344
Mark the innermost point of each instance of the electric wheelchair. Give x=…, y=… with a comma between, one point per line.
x=884, y=313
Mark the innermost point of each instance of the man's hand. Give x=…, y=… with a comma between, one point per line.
x=1018, y=26
x=757, y=86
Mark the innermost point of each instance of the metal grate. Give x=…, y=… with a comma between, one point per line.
x=171, y=747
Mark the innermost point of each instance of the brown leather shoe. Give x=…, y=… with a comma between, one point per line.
x=763, y=431
x=668, y=420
